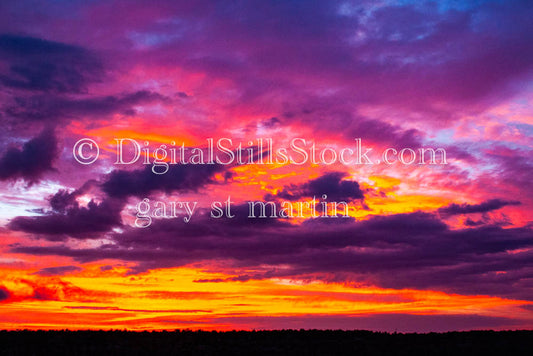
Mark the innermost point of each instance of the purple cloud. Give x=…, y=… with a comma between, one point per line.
x=330, y=184
x=32, y=161
x=4, y=293
x=54, y=107
x=400, y=251
x=141, y=182
x=57, y=271
x=489, y=205
x=36, y=64
x=72, y=221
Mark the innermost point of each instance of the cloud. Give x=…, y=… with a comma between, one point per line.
x=514, y=166
x=122, y=183
x=61, y=200
x=49, y=81
x=382, y=132
x=54, y=107
x=55, y=292
x=89, y=307
x=489, y=205
x=415, y=56
x=68, y=219
x=331, y=184
x=32, y=161
x=45, y=287
x=72, y=220
x=419, y=56
x=239, y=278
x=415, y=250
x=4, y=293
x=57, y=271
x=37, y=64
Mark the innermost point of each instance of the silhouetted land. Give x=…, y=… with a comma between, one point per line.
x=281, y=342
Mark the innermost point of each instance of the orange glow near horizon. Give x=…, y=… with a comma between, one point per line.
x=171, y=299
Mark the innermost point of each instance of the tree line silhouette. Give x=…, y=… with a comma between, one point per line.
x=274, y=342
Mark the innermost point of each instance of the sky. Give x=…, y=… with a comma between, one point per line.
x=165, y=239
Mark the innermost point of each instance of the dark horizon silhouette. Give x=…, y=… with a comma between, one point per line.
x=264, y=342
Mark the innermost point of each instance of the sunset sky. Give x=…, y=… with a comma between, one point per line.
x=423, y=247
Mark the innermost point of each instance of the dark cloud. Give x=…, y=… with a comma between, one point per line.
x=142, y=182
x=55, y=107
x=380, y=131
x=68, y=219
x=4, y=293
x=415, y=250
x=239, y=278
x=72, y=220
x=331, y=184
x=60, y=201
x=489, y=205
x=57, y=271
x=40, y=65
x=32, y=161
x=45, y=74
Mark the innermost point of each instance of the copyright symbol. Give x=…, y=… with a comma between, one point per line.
x=86, y=151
